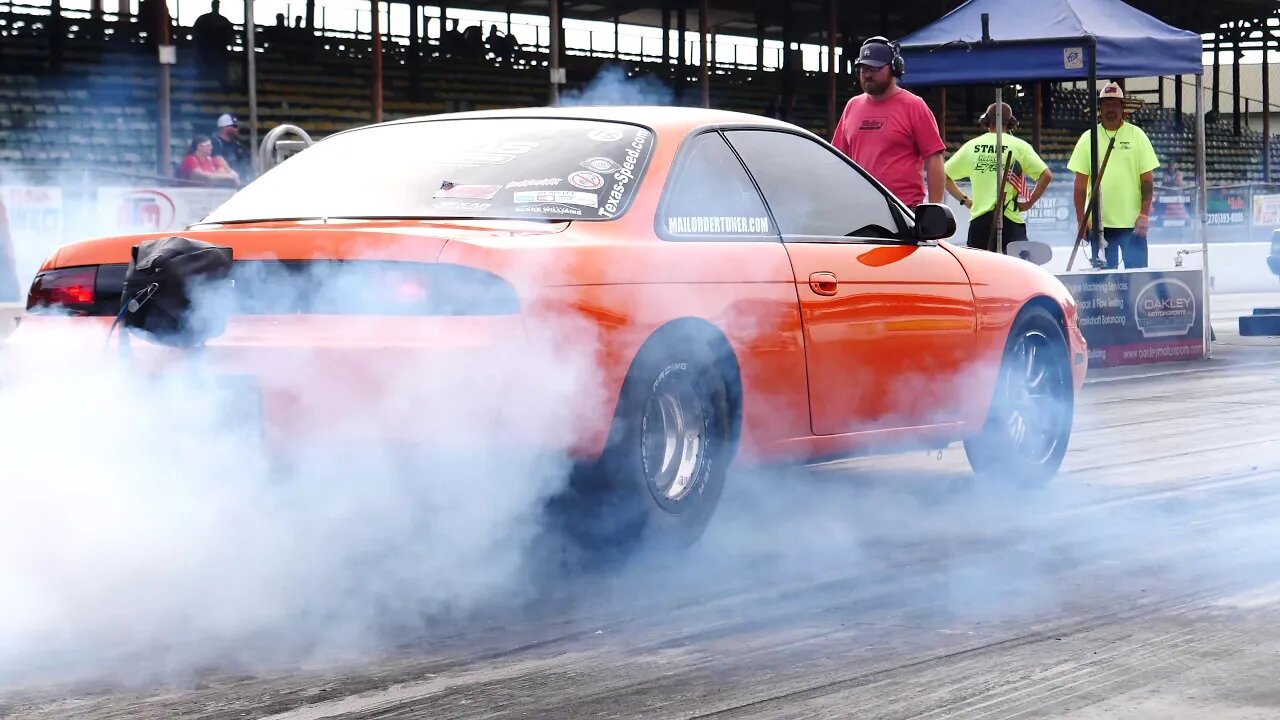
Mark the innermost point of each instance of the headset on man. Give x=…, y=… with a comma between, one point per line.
x=897, y=66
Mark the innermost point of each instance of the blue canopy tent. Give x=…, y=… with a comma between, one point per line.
x=1050, y=41
x=999, y=42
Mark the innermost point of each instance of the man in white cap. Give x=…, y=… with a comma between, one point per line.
x=1128, y=180
x=226, y=144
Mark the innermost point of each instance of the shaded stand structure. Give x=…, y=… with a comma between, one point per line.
x=1003, y=42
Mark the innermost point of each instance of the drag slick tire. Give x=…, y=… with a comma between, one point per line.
x=1029, y=423
x=664, y=465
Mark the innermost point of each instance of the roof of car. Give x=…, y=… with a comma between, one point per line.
x=659, y=117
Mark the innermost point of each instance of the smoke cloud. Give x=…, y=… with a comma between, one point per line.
x=613, y=85
x=151, y=528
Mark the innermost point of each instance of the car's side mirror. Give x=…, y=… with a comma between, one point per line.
x=934, y=221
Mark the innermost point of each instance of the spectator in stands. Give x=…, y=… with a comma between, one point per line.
x=473, y=42
x=502, y=46
x=451, y=42
x=201, y=165
x=1127, y=184
x=890, y=131
x=153, y=17
x=9, y=290
x=976, y=160
x=227, y=145
x=213, y=34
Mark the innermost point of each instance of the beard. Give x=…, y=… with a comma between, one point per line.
x=872, y=86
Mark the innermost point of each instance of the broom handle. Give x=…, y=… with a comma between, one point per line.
x=1088, y=208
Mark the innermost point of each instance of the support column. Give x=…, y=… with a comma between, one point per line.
x=702, y=53
x=554, y=63
x=415, y=47
x=1177, y=101
x=1217, y=68
x=1266, y=102
x=1236, y=56
x=832, y=100
x=375, y=32
x=666, y=34
x=1035, y=116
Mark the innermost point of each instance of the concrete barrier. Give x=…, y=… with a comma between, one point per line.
x=1233, y=267
x=9, y=314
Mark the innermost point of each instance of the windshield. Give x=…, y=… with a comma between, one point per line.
x=513, y=168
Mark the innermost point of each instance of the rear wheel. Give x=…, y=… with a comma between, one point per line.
x=1029, y=423
x=664, y=466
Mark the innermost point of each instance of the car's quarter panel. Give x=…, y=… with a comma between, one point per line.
x=1002, y=287
x=627, y=290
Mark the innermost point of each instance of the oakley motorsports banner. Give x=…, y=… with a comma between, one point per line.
x=1133, y=317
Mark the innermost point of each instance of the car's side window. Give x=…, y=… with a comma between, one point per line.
x=812, y=190
x=711, y=197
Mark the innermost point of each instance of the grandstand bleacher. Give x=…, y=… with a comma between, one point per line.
x=99, y=109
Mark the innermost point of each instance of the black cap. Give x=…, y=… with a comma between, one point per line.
x=875, y=55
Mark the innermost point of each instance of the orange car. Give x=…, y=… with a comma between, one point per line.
x=703, y=288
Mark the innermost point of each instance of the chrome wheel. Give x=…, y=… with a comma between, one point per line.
x=1033, y=392
x=673, y=432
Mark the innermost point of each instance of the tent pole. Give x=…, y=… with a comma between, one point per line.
x=1095, y=232
x=251, y=69
x=1202, y=215
x=998, y=218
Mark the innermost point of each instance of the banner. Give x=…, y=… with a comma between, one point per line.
x=122, y=210
x=35, y=212
x=1266, y=209
x=1053, y=212
x=1135, y=317
x=36, y=220
x=1228, y=205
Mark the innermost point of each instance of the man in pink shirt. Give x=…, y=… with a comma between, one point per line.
x=889, y=130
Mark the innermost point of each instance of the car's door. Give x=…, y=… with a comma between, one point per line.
x=889, y=322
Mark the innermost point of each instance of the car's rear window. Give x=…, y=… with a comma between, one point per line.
x=519, y=168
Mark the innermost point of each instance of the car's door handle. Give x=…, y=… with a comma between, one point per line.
x=823, y=283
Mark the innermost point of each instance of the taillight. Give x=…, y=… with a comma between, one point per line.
x=67, y=290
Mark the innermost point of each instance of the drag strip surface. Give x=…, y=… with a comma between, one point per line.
x=1143, y=582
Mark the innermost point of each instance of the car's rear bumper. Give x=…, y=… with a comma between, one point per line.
x=323, y=380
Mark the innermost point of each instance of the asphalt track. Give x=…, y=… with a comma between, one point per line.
x=1143, y=583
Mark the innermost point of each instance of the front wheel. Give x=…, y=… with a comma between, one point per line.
x=1029, y=423
x=666, y=460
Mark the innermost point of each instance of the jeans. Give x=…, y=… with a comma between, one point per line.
x=1122, y=241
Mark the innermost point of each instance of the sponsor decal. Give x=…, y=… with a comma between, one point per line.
x=564, y=197
x=467, y=205
x=1073, y=58
x=483, y=154
x=586, y=180
x=624, y=175
x=717, y=225
x=549, y=208
x=601, y=165
x=1165, y=308
x=605, y=135
x=544, y=182
x=467, y=192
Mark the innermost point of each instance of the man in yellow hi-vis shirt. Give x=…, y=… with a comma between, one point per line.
x=976, y=160
x=1128, y=180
